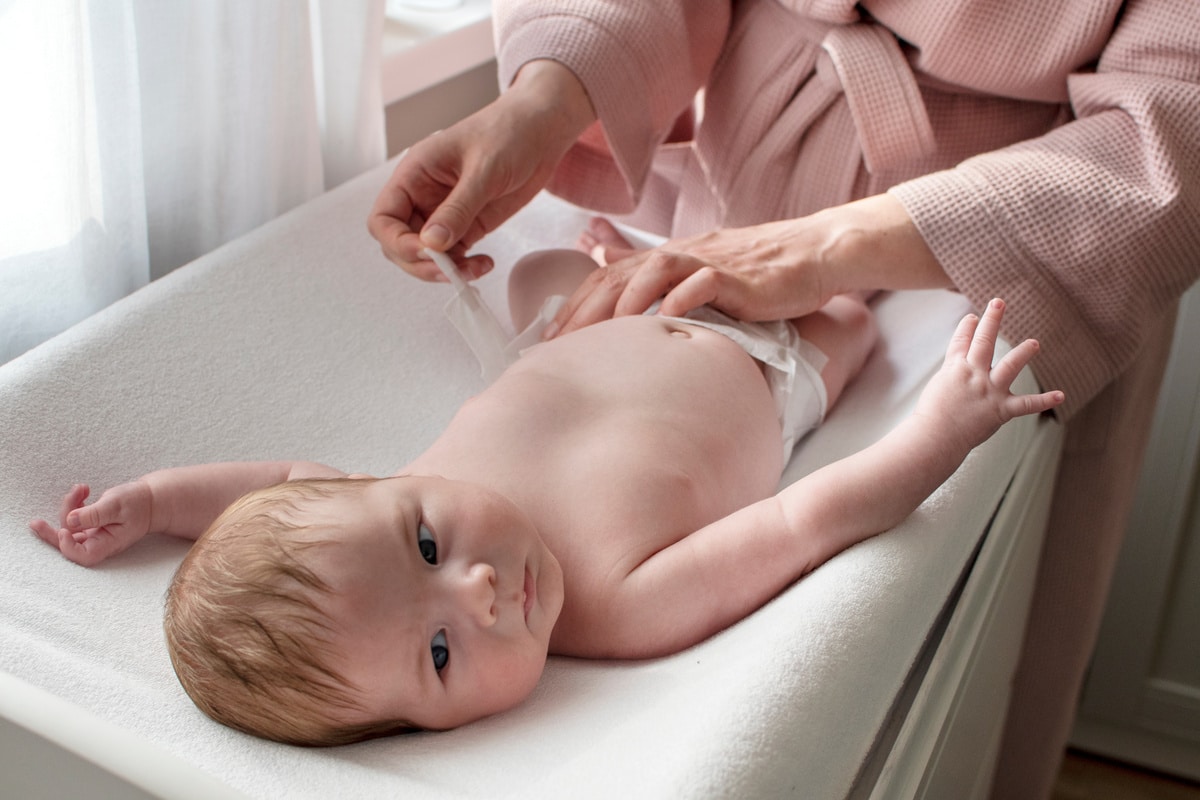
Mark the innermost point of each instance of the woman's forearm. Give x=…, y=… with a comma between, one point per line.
x=560, y=98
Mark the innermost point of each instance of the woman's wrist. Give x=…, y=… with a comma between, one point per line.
x=874, y=244
x=556, y=95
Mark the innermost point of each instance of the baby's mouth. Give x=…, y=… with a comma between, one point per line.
x=530, y=593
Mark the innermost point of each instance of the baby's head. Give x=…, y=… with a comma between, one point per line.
x=323, y=612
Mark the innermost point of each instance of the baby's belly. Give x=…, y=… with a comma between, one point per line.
x=665, y=426
x=647, y=356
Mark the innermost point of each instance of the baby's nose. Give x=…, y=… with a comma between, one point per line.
x=477, y=594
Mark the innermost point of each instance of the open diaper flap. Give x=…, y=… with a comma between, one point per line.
x=300, y=341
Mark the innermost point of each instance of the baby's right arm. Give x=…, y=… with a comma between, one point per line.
x=181, y=501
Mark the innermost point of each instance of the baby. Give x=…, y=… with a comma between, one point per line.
x=611, y=495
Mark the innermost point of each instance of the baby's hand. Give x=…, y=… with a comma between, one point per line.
x=968, y=398
x=88, y=535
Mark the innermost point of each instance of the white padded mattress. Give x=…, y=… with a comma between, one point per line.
x=301, y=341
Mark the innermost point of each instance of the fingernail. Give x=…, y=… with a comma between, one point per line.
x=436, y=236
x=550, y=331
x=73, y=519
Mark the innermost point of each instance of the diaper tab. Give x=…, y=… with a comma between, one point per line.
x=533, y=331
x=474, y=320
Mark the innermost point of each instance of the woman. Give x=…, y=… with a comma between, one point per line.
x=1043, y=152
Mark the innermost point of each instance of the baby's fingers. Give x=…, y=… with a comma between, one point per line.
x=960, y=342
x=1008, y=367
x=983, y=343
x=1023, y=404
x=84, y=550
x=45, y=531
x=1006, y=371
x=97, y=515
x=72, y=500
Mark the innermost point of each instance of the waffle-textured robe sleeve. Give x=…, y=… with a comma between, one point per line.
x=642, y=65
x=1091, y=231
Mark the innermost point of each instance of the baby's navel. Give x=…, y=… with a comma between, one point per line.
x=682, y=331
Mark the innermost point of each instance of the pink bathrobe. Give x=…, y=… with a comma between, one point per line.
x=1049, y=153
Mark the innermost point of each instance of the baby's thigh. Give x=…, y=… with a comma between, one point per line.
x=844, y=330
x=542, y=274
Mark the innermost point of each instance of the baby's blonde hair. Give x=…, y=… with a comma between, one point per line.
x=246, y=629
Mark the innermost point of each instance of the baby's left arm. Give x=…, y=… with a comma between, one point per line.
x=710, y=579
x=180, y=501
x=963, y=404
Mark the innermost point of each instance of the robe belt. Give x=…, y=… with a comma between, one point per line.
x=864, y=61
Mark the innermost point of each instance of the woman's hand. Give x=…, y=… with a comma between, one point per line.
x=756, y=273
x=775, y=270
x=457, y=185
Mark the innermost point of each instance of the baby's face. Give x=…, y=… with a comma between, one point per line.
x=445, y=599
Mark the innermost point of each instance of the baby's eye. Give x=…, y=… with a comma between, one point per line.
x=426, y=544
x=440, y=651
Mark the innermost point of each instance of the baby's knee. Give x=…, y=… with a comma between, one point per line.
x=542, y=274
x=861, y=319
x=845, y=318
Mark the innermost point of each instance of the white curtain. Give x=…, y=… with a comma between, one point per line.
x=136, y=135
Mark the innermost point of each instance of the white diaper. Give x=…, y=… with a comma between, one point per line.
x=793, y=368
x=793, y=364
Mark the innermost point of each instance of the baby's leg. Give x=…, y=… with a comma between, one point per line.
x=542, y=274
x=845, y=331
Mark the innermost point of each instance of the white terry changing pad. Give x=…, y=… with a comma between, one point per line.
x=301, y=341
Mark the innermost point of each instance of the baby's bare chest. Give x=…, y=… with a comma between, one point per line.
x=620, y=439
x=640, y=435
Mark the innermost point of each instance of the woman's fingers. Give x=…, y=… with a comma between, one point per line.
x=451, y=219
x=594, y=300
x=657, y=274
x=625, y=288
x=702, y=287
